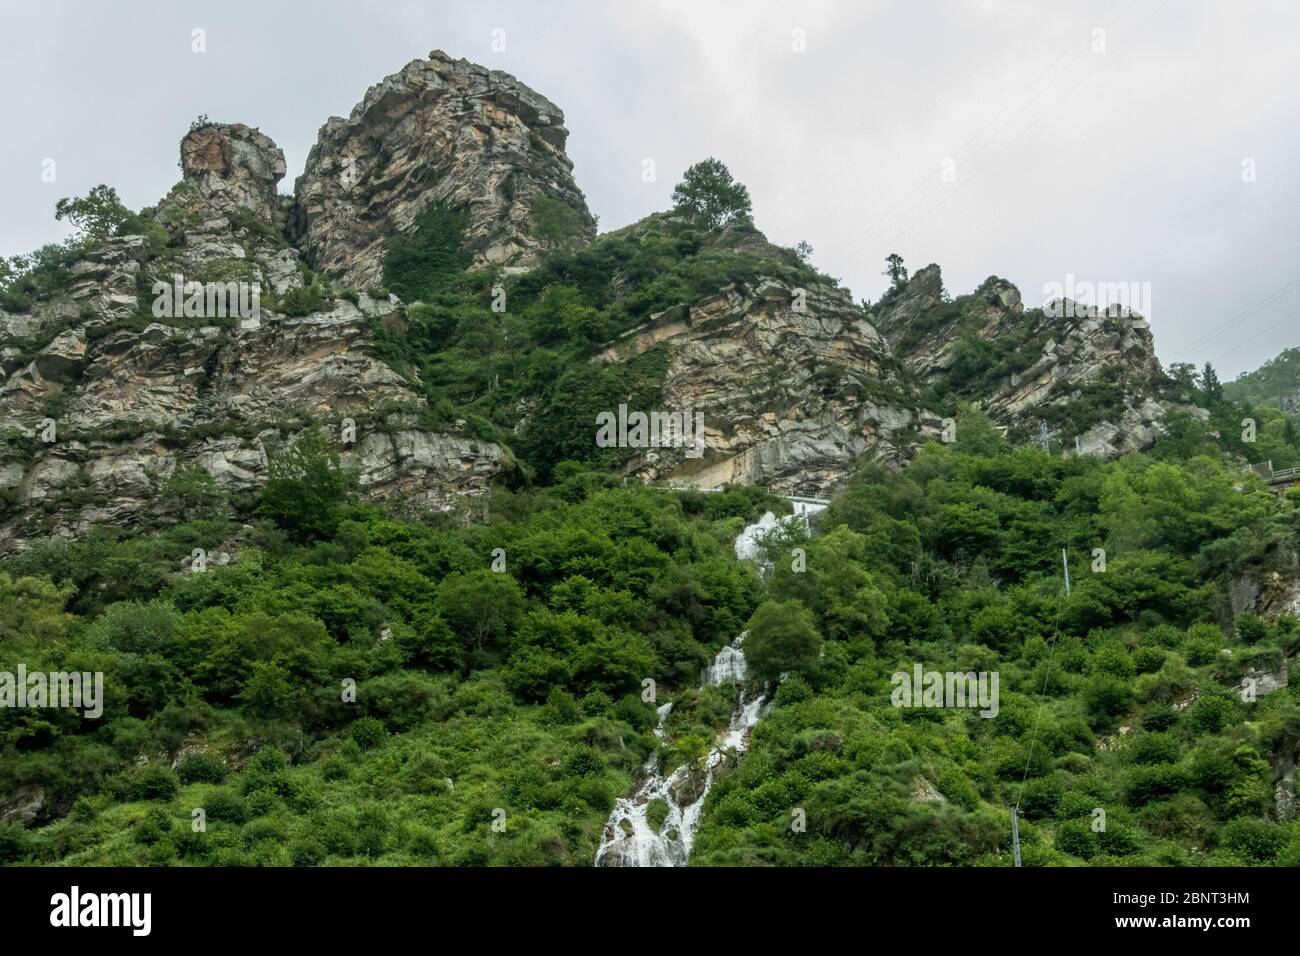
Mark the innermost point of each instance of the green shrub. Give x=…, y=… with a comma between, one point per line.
x=368, y=732
x=1250, y=628
x=1076, y=838
x=306, y=487
x=153, y=781
x=201, y=768
x=782, y=637
x=554, y=220
x=301, y=301
x=1257, y=840
x=425, y=259
x=13, y=842
x=1203, y=644
x=1212, y=715
x=656, y=813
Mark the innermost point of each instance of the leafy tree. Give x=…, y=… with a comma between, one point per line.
x=33, y=609
x=97, y=215
x=1210, y=384
x=306, y=487
x=483, y=607
x=1185, y=377
x=896, y=271
x=711, y=197
x=191, y=493
x=782, y=637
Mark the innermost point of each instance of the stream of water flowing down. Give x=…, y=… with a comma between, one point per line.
x=629, y=839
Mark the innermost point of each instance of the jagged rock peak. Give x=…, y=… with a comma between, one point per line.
x=233, y=165
x=900, y=308
x=440, y=130
x=1030, y=367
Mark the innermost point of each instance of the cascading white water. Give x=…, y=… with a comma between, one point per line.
x=748, y=541
x=629, y=839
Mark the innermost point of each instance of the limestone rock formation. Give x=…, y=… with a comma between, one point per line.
x=448, y=131
x=792, y=383
x=131, y=395
x=1086, y=373
x=234, y=167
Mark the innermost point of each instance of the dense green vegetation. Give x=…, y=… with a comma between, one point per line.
x=475, y=689
x=517, y=690
x=956, y=565
x=1256, y=432
x=555, y=221
x=1273, y=381
x=418, y=263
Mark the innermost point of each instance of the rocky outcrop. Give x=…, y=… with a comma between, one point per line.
x=234, y=167
x=117, y=396
x=23, y=805
x=1270, y=590
x=1090, y=375
x=104, y=395
x=440, y=130
x=147, y=402
x=792, y=384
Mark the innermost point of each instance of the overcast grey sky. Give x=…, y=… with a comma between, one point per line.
x=1112, y=156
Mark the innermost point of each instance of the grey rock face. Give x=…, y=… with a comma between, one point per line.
x=234, y=166
x=440, y=130
x=792, y=384
x=132, y=396
x=22, y=805
x=1067, y=349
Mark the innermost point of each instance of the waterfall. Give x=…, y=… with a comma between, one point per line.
x=629, y=839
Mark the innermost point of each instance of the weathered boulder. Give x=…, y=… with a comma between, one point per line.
x=234, y=167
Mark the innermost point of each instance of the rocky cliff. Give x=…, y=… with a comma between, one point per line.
x=115, y=397
x=104, y=396
x=796, y=382
x=792, y=383
x=440, y=130
x=1085, y=374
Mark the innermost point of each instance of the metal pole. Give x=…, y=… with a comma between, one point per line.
x=1015, y=832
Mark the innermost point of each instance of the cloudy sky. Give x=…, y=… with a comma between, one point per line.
x=1135, y=141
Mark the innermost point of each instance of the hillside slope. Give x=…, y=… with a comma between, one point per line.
x=365, y=586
